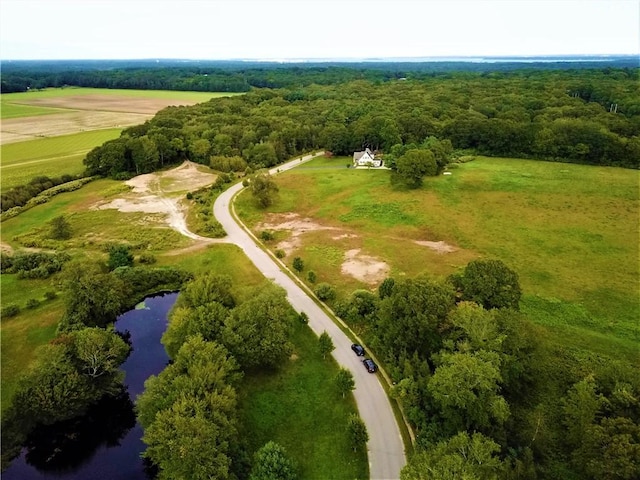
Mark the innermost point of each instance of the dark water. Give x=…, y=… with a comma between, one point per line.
x=106, y=444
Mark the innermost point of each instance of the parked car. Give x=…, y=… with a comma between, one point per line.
x=359, y=349
x=370, y=365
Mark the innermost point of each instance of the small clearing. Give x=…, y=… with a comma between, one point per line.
x=161, y=193
x=365, y=268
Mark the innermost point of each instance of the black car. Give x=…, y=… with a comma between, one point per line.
x=370, y=365
x=358, y=349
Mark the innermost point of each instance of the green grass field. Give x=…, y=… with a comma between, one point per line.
x=299, y=407
x=570, y=231
x=20, y=162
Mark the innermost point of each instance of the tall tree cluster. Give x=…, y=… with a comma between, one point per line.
x=478, y=386
x=189, y=411
x=551, y=115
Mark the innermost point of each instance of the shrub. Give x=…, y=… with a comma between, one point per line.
x=50, y=295
x=189, y=196
x=325, y=291
x=298, y=264
x=60, y=229
x=214, y=229
x=119, y=256
x=32, y=303
x=10, y=310
x=280, y=253
x=147, y=259
x=266, y=235
x=311, y=276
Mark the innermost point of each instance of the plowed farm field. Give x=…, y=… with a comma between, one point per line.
x=49, y=132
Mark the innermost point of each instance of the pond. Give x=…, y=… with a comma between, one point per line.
x=107, y=441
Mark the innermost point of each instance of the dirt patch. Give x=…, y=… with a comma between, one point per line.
x=155, y=193
x=439, y=247
x=109, y=103
x=365, y=268
x=6, y=248
x=296, y=225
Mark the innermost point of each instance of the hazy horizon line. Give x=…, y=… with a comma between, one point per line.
x=337, y=59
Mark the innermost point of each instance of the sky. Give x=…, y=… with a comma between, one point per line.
x=299, y=29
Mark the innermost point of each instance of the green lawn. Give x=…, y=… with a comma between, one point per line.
x=20, y=162
x=570, y=231
x=299, y=407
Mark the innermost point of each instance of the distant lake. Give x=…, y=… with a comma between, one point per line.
x=110, y=442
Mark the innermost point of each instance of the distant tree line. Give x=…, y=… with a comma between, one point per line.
x=241, y=76
x=539, y=115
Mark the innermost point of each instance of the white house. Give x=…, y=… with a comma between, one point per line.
x=366, y=159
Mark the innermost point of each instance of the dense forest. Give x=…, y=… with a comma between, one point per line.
x=582, y=116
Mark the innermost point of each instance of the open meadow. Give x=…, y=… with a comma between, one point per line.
x=569, y=231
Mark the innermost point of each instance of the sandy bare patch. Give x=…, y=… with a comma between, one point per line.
x=365, y=268
x=342, y=236
x=440, y=247
x=151, y=193
x=6, y=248
x=296, y=225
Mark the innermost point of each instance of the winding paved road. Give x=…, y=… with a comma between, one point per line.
x=385, y=446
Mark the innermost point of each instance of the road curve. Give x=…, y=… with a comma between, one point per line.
x=385, y=447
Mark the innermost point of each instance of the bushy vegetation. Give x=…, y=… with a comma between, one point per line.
x=20, y=195
x=474, y=375
x=33, y=264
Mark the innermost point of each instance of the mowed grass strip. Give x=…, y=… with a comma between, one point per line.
x=16, y=110
x=570, y=231
x=299, y=407
x=20, y=162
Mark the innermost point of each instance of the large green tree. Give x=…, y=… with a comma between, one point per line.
x=92, y=298
x=466, y=386
x=206, y=320
x=414, y=165
x=462, y=457
x=263, y=188
x=411, y=317
x=490, y=283
x=257, y=332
